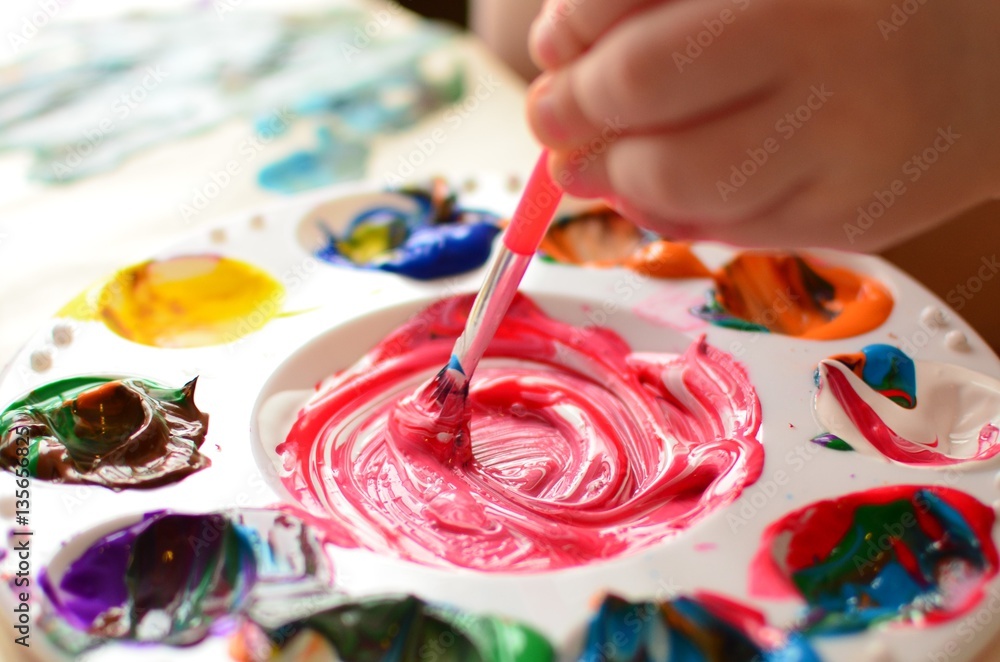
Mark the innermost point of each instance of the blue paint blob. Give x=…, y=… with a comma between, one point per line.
x=455, y=364
x=688, y=629
x=437, y=240
x=891, y=372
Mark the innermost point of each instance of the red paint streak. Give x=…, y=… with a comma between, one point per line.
x=886, y=441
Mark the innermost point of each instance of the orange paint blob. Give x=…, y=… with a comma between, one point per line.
x=603, y=238
x=765, y=292
x=788, y=294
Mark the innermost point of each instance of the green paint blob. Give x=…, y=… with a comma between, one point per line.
x=403, y=629
x=115, y=432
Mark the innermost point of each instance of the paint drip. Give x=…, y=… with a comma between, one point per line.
x=435, y=240
x=173, y=578
x=902, y=554
x=186, y=301
x=394, y=629
x=581, y=449
x=604, y=238
x=701, y=628
x=795, y=296
x=882, y=403
x=117, y=433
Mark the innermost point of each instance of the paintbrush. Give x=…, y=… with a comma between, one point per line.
x=443, y=398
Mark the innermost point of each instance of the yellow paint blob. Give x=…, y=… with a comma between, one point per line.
x=187, y=301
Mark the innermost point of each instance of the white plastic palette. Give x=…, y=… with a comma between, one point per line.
x=342, y=312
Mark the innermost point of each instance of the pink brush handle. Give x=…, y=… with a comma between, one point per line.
x=535, y=211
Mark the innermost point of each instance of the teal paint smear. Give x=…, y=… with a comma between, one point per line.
x=333, y=160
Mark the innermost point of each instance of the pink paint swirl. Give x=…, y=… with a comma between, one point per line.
x=582, y=449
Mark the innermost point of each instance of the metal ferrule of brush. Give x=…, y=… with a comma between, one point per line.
x=490, y=306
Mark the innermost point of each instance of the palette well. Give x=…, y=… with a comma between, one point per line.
x=307, y=317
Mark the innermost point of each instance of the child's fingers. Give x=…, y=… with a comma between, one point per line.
x=566, y=28
x=725, y=170
x=633, y=76
x=786, y=224
x=554, y=115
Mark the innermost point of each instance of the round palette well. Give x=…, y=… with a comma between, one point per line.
x=279, y=348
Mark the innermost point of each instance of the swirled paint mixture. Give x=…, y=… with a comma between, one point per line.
x=905, y=554
x=580, y=449
x=795, y=296
x=700, y=628
x=778, y=293
x=186, y=301
x=604, y=238
x=394, y=629
x=435, y=240
x=880, y=402
x=172, y=578
x=118, y=433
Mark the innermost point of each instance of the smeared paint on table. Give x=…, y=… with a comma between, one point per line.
x=142, y=81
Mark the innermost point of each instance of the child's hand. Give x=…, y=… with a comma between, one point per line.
x=849, y=123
